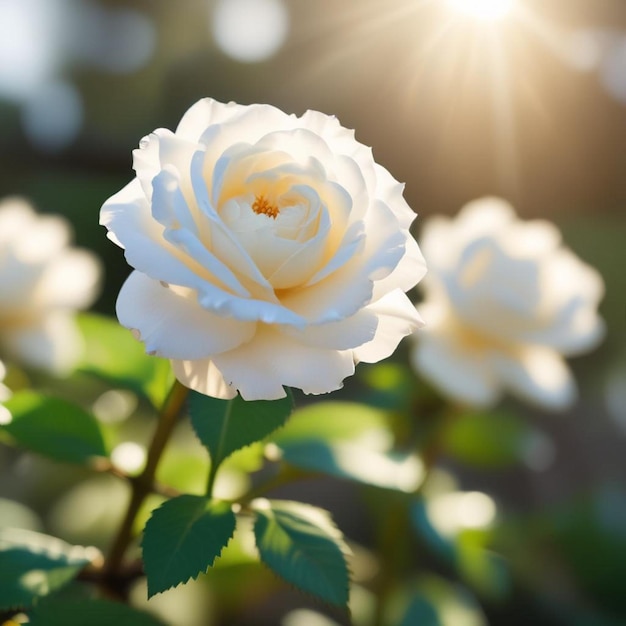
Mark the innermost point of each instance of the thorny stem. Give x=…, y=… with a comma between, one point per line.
x=143, y=484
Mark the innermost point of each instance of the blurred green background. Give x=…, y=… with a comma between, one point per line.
x=531, y=107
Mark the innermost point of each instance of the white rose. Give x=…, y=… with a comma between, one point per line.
x=43, y=281
x=504, y=302
x=269, y=250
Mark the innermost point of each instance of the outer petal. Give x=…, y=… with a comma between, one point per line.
x=260, y=368
x=172, y=324
x=202, y=376
x=53, y=343
x=539, y=375
x=410, y=270
x=463, y=376
x=71, y=281
x=397, y=318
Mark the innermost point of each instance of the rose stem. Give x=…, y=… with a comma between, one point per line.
x=142, y=485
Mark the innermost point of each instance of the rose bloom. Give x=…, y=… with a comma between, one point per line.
x=43, y=281
x=504, y=302
x=269, y=250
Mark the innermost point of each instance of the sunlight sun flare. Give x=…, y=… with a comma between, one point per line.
x=483, y=9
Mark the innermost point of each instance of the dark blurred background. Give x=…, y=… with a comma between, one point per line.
x=530, y=107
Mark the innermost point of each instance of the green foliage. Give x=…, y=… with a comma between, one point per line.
x=466, y=551
x=347, y=440
x=332, y=421
x=433, y=601
x=391, y=385
x=224, y=426
x=300, y=543
x=356, y=461
x=489, y=440
x=33, y=565
x=61, y=612
x=113, y=354
x=589, y=534
x=53, y=427
x=183, y=538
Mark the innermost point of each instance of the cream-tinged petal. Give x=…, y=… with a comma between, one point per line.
x=345, y=334
x=439, y=245
x=489, y=216
x=52, y=343
x=17, y=282
x=202, y=376
x=463, y=375
x=223, y=243
x=236, y=122
x=537, y=374
x=304, y=261
x=397, y=318
x=260, y=368
x=16, y=217
x=391, y=192
x=204, y=113
x=70, y=281
x=372, y=255
x=46, y=237
x=408, y=272
x=172, y=324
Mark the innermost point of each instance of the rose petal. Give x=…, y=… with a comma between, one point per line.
x=202, y=376
x=463, y=375
x=52, y=343
x=259, y=369
x=70, y=281
x=397, y=318
x=408, y=272
x=172, y=324
x=538, y=375
x=345, y=334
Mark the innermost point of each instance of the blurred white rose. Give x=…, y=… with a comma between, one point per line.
x=43, y=282
x=270, y=250
x=504, y=302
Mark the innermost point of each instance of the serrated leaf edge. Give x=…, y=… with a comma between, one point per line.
x=192, y=576
x=337, y=536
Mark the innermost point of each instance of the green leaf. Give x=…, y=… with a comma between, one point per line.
x=347, y=440
x=32, y=565
x=356, y=461
x=328, y=421
x=53, y=427
x=433, y=601
x=183, y=538
x=94, y=612
x=490, y=440
x=466, y=550
x=224, y=426
x=301, y=544
x=112, y=353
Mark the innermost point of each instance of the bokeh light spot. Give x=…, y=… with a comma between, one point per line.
x=250, y=30
x=53, y=116
x=452, y=512
x=5, y=416
x=29, y=50
x=129, y=456
x=120, y=41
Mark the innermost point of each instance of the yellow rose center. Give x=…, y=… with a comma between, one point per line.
x=262, y=205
